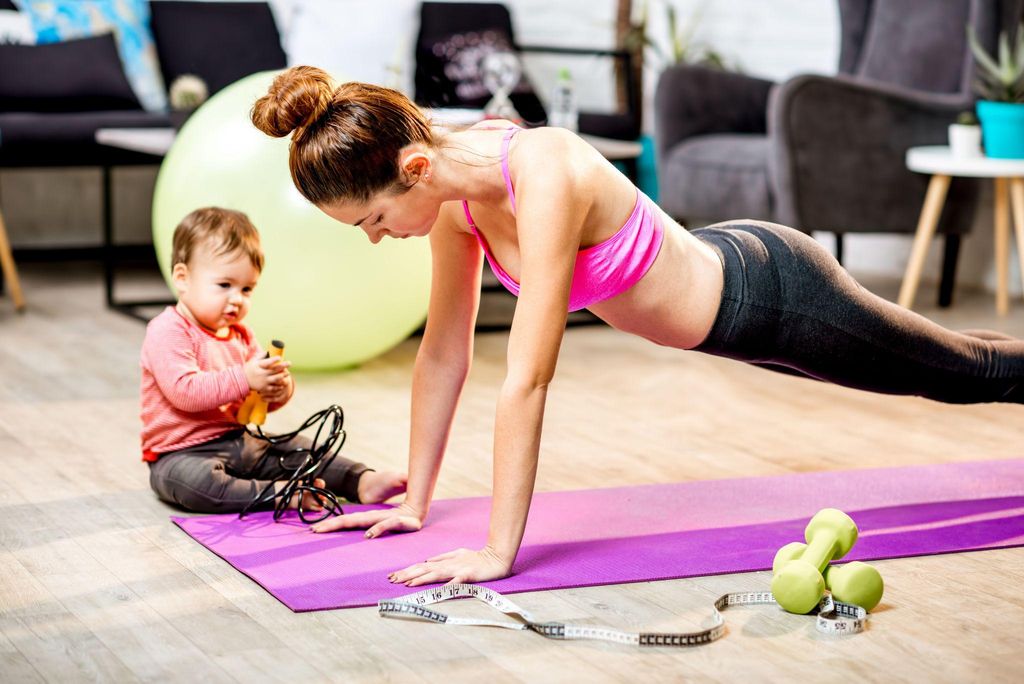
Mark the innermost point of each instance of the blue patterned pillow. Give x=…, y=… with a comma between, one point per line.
x=59, y=20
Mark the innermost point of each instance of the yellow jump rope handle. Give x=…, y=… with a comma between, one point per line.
x=253, y=410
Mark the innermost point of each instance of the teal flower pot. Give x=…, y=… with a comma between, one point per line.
x=1002, y=128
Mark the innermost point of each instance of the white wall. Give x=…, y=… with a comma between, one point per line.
x=365, y=39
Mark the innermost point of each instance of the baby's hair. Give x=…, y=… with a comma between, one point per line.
x=346, y=139
x=225, y=231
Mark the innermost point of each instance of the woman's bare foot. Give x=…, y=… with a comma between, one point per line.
x=375, y=487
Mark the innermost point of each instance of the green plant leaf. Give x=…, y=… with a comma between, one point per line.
x=1005, y=59
x=985, y=63
x=1017, y=89
x=984, y=90
x=1019, y=57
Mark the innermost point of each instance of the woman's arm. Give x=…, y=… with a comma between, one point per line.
x=549, y=223
x=549, y=238
x=442, y=364
x=444, y=357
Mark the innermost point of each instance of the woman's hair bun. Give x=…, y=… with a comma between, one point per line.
x=295, y=100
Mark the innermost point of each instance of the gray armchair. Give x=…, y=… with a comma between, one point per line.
x=827, y=152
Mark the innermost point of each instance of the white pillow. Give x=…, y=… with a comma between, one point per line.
x=16, y=28
x=355, y=43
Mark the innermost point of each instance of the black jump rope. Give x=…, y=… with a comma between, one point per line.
x=300, y=467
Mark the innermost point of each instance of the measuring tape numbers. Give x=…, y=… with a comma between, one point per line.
x=833, y=617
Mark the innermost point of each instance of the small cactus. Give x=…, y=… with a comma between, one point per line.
x=967, y=118
x=187, y=92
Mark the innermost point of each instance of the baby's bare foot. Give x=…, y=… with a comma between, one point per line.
x=375, y=487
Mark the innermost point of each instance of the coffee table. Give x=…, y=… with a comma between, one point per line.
x=152, y=141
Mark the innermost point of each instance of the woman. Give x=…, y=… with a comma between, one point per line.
x=563, y=229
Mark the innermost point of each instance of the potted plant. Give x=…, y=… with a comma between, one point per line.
x=186, y=93
x=965, y=136
x=1001, y=86
x=682, y=47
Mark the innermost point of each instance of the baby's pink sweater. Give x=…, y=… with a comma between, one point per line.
x=192, y=382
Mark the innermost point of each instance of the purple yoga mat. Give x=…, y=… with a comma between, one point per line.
x=632, y=534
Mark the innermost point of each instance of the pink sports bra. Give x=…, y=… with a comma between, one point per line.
x=603, y=270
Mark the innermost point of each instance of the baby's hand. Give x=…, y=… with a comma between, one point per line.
x=310, y=501
x=278, y=392
x=266, y=372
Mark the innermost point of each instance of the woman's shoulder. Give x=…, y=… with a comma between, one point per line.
x=553, y=155
x=551, y=135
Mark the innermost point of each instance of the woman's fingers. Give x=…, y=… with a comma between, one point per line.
x=427, y=572
x=409, y=573
x=431, y=577
x=459, y=566
x=445, y=556
x=349, y=521
x=375, y=523
x=400, y=523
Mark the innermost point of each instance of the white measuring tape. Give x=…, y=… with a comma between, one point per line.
x=834, y=617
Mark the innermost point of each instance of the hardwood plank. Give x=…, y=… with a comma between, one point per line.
x=40, y=640
x=96, y=583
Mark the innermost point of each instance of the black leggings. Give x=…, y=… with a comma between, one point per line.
x=788, y=303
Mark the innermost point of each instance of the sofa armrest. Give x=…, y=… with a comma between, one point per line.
x=837, y=148
x=693, y=101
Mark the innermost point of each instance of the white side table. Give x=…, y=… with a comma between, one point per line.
x=1008, y=175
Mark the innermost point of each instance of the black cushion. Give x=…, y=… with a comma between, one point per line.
x=448, y=72
x=78, y=75
x=221, y=42
x=7, y=5
x=69, y=139
x=440, y=21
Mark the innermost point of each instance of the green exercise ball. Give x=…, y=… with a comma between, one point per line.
x=334, y=299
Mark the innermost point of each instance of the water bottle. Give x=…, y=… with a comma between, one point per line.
x=563, y=103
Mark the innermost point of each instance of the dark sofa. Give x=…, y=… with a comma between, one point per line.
x=53, y=98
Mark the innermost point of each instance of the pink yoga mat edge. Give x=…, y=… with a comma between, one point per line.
x=913, y=511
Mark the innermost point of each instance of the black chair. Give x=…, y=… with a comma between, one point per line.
x=452, y=25
x=220, y=42
x=827, y=153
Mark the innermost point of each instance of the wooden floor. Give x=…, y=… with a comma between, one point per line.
x=97, y=584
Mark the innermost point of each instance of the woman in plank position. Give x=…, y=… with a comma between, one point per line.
x=564, y=230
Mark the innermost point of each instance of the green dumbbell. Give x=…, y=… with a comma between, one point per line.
x=798, y=584
x=857, y=583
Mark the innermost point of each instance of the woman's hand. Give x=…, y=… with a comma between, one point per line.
x=459, y=566
x=401, y=518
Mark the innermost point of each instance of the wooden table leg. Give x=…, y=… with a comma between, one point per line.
x=1017, y=204
x=1002, y=219
x=10, y=270
x=926, y=224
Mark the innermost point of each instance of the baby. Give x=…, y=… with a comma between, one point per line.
x=199, y=362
